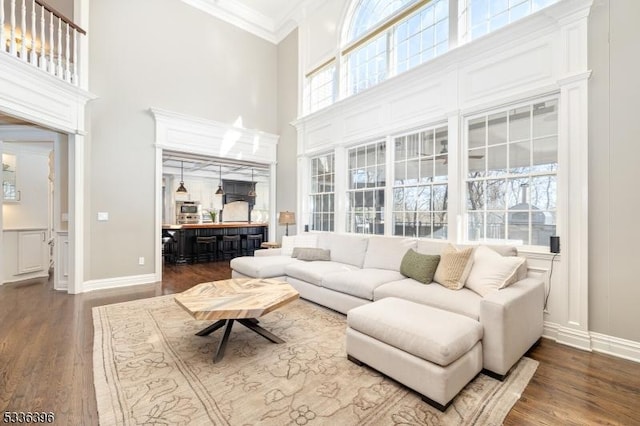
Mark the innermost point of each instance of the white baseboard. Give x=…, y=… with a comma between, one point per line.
x=118, y=282
x=592, y=341
x=627, y=349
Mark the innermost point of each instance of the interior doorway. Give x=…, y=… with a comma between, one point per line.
x=34, y=221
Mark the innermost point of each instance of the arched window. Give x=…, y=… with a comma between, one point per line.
x=385, y=38
x=369, y=13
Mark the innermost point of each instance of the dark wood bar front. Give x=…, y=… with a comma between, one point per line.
x=194, y=243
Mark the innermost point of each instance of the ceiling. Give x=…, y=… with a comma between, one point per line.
x=211, y=167
x=272, y=20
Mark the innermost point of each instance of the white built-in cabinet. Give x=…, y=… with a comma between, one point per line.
x=25, y=253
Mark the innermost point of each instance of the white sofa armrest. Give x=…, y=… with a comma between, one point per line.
x=513, y=321
x=268, y=252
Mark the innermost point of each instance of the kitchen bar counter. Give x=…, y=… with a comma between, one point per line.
x=182, y=240
x=215, y=225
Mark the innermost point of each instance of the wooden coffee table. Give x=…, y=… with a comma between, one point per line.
x=238, y=299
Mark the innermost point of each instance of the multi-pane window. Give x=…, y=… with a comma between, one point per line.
x=414, y=31
x=367, y=65
x=511, y=182
x=320, y=88
x=322, y=193
x=484, y=16
x=422, y=36
x=420, y=184
x=365, y=193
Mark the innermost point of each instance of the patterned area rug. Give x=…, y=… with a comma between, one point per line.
x=149, y=368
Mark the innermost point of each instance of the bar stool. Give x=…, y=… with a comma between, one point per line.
x=169, y=244
x=253, y=242
x=230, y=246
x=206, y=245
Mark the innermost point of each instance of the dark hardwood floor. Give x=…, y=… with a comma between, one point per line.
x=46, y=349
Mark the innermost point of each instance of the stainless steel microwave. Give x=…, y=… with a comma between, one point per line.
x=187, y=207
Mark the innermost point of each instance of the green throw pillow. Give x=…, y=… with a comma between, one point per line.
x=420, y=267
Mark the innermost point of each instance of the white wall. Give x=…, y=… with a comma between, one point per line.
x=287, y=146
x=614, y=153
x=163, y=54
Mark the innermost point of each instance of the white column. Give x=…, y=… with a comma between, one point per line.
x=273, y=214
x=2, y=37
x=76, y=213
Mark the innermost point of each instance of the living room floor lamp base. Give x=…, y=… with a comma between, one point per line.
x=287, y=218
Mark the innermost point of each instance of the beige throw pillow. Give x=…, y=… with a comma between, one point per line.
x=491, y=271
x=312, y=254
x=454, y=267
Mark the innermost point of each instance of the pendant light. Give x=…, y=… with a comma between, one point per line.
x=220, y=191
x=252, y=193
x=181, y=189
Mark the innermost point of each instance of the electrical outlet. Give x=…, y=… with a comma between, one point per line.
x=141, y=261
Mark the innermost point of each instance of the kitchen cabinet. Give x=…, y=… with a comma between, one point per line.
x=9, y=184
x=26, y=254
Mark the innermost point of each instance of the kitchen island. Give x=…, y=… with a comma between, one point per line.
x=205, y=242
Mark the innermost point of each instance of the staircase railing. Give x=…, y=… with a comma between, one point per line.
x=36, y=33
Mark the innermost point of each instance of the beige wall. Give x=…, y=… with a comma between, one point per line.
x=287, y=145
x=163, y=54
x=614, y=233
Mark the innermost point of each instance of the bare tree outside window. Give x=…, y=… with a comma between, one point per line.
x=512, y=161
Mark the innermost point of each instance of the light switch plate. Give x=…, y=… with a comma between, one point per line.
x=103, y=216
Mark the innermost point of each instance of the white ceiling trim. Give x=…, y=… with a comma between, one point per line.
x=271, y=29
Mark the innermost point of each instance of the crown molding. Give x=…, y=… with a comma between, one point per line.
x=271, y=29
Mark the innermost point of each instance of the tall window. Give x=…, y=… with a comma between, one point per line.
x=420, y=188
x=512, y=162
x=484, y=16
x=365, y=194
x=321, y=195
x=320, y=88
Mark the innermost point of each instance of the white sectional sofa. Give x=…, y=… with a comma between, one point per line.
x=365, y=269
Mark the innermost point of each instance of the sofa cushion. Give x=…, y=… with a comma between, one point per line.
x=431, y=334
x=430, y=246
x=420, y=267
x=360, y=282
x=454, y=267
x=300, y=240
x=387, y=252
x=349, y=249
x=464, y=302
x=261, y=266
x=314, y=272
x=491, y=271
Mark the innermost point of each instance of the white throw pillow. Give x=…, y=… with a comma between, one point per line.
x=492, y=271
x=302, y=240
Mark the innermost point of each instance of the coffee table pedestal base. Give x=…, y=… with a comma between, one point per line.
x=250, y=323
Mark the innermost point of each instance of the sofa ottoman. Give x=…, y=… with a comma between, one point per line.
x=432, y=351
